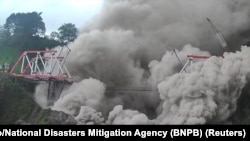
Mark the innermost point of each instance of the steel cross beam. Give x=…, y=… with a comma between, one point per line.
x=190, y=61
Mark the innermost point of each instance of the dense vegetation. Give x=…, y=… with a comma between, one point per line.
x=17, y=105
x=25, y=31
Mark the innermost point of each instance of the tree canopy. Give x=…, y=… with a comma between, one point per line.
x=68, y=32
x=29, y=24
x=55, y=36
x=3, y=33
x=25, y=31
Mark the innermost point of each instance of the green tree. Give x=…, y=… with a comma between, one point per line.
x=3, y=33
x=68, y=32
x=27, y=32
x=4, y=36
x=29, y=24
x=54, y=36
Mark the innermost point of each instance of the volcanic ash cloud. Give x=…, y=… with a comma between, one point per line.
x=129, y=44
x=208, y=93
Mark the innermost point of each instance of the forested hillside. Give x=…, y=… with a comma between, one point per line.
x=25, y=31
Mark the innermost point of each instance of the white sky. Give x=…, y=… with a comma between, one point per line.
x=54, y=12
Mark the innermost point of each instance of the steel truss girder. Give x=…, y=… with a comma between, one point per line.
x=35, y=65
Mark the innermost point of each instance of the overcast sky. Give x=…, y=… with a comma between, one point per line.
x=55, y=12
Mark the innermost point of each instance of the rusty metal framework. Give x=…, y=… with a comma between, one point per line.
x=42, y=66
x=190, y=61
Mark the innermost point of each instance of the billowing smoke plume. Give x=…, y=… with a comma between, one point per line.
x=120, y=116
x=169, y=64
x=128, y=46
x=168, y=24
x=88, y=115
x=208, y=93
x=88, y=92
